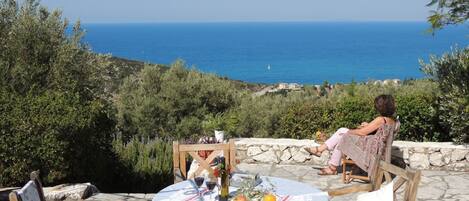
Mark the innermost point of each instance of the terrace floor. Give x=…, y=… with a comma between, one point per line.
x=434, y=185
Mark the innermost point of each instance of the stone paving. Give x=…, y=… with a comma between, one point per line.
x=434, y=185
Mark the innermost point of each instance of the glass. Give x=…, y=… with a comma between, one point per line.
x=199, y=181
x=211, y=183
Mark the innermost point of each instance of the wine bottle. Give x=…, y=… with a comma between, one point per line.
x=225, y=180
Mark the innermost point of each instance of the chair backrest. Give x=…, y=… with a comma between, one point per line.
x=390, y=140
x=180, y=152
x=32, y=191
x=409, y=177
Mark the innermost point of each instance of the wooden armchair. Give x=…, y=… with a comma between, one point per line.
x=32, y=191
x=348, y=176
x=409, y=177
x=180, y=152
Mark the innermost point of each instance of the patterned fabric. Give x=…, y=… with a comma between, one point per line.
x=29, y=192
x=364, y=149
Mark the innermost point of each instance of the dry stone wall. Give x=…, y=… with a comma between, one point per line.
x=418, y=155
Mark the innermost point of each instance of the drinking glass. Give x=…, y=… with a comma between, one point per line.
x=211, y=182
x=199, y=181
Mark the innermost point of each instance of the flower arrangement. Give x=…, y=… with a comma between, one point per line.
x=248, y=191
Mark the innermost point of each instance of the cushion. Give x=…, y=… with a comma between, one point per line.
x=383, y=194
x=29, y=192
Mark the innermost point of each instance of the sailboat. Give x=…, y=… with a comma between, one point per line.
x=268, y=67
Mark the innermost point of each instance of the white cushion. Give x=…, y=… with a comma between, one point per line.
x=29, y=192
x=383, y=194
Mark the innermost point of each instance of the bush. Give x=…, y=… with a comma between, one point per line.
x=172, y=103
x=146, y=166
x=66, y=139
x=302, y=120
x=416, y=110
x=451, y=72
x=351, y=111
x=54, y=113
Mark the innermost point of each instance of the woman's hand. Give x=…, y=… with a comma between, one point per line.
x=367, y=128
x=363, y=124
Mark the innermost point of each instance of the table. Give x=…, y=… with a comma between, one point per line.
x=185, y=190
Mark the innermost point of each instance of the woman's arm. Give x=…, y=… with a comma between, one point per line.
x=368, y=128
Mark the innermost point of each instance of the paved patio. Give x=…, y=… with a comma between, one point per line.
x=435, y=185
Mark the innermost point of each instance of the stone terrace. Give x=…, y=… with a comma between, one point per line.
x=435, y=185
x=445, y=167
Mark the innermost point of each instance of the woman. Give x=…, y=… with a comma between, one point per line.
x=386, y=108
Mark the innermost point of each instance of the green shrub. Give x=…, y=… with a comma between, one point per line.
x=451, y=72
x=302, y=120
x=172, y=103
x=145, y=166
x=416, y=103
x=66, y=139
x=54, y=111
x=351, y=111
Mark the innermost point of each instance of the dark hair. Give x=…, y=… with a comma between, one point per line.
x=385, y=105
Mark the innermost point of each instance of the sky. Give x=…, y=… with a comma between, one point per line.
x=143, y=11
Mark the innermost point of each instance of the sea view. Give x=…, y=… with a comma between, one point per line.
x=273, y=52
x=234, y=100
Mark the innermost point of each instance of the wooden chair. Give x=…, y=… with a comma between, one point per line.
x=409, y=177
x=32, y=191
x=349, y=176
x=180, y=152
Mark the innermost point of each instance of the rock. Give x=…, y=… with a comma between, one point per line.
x=420, y=150
x=285, y=156
x=300, y=155
x=241, y=155
x=405, y=154
x=459, y=166
x=436, y=159
x=321, y=161
x=446, y=155
x=267, y=157
x=282, y=147
x=433, y=149
x=265, y=147
x=458, y=154
x=253, y=150
x=467, y=157
x=70, y=192
x=419, y=161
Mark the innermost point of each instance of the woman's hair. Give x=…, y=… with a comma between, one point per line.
x=385, y=105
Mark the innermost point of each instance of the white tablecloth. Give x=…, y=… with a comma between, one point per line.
x=296, y=191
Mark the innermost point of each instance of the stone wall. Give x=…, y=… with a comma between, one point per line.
x=419, y=155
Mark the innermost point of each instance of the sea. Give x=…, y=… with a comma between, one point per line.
x=274, y=52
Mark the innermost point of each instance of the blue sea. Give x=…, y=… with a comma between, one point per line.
x=272, y=52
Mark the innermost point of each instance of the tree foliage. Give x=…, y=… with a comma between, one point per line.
x=54, y=113
x=448, y=12
x=173, y=103
x=451, y=72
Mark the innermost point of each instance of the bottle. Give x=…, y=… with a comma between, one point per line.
x=225, y=180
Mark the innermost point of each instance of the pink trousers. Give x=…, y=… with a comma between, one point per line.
x=331, y=144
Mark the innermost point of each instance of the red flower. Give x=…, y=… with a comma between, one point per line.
x=216, y=172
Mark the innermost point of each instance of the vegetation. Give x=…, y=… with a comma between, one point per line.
x=145, y=165
x=80, y=116
x=171, y=104
x=54, y=113
x=448, y=12
x=451, y=72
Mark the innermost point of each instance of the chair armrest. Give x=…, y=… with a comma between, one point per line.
x=350, y=189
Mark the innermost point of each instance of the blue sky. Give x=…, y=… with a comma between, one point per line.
x=128, y=11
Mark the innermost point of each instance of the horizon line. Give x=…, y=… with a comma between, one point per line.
x=253, y=21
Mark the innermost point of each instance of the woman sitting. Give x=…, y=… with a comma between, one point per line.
x=386, y=108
